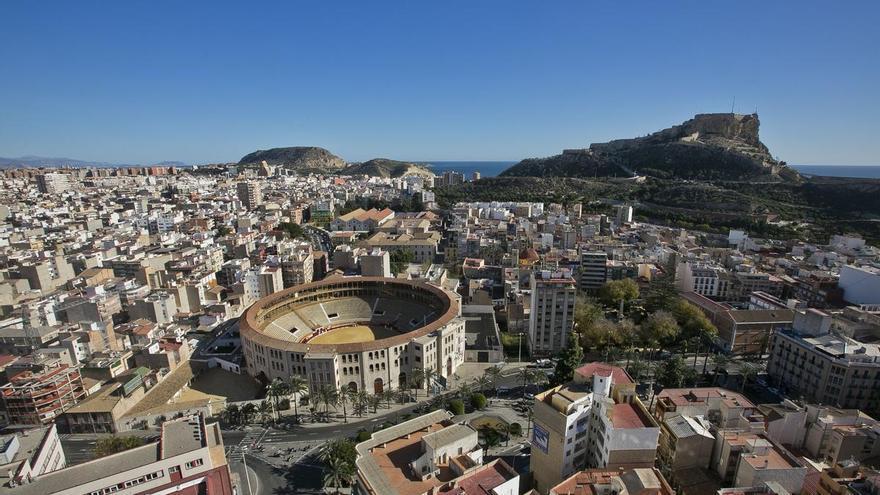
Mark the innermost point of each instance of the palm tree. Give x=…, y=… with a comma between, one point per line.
x=337, y=473
x=247, y=412
x=464, y=390
x=388, y=396
x=274, y=391
x=344, y=395
x=748, y=371
x=481, y=383
x=492, y=374
x=375, y=402
x=417, y=380
x=360, y=402
x=264, y=410
x=637, y=369
x=526, y=375
x=232, y=414
x=719, y=363
x=296, y=386
x=430, y=376
x=328, y=396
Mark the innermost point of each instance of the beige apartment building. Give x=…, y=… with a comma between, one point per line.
x=596, y=421
x=810, y=361
x=552, y=311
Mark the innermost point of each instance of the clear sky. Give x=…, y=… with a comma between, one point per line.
x=141, y=82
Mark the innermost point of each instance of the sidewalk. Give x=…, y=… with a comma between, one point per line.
x=467, y=372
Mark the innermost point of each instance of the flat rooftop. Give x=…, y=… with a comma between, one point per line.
x=626, y=415
x=393, y=460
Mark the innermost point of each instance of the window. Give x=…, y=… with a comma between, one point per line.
x=194, y=463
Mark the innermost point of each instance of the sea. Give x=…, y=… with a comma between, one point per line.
x=493, y=168
x=859, y=171
x=486, y=169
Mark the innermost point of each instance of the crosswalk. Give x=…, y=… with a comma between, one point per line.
x=250, y=440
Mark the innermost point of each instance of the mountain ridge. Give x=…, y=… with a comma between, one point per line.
x=299, y=158
x=386, y=168
x=714, y=146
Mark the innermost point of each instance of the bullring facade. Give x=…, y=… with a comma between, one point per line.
x=364, y=333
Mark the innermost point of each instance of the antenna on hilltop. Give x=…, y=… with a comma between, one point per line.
x=733, y=104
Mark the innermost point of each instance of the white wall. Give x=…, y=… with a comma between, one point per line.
x=859, y=286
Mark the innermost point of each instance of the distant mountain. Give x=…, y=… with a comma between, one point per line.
x=720, y=146
x=300, y=158
x=383, y=167
x=42, y=161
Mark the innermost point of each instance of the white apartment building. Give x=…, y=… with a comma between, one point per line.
x=189, y=458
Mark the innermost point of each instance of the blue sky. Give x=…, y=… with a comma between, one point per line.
x=140, y=82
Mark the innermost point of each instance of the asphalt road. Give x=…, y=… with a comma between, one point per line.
x=265, y=479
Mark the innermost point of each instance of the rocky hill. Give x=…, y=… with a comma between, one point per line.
x=721, y=146
x=383, y=167
x=300, y=158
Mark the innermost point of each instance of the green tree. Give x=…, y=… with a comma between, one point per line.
x=361, y=403
x=400, y=258
x=479, y=401
x=328, y=396
x=339, y=458
x=481, y=383
x=526, y=375
x=515, y=429
x=693, y=322
x=264, y=410
x=456, y=407
x=598, y=334
x=569, y=360
x=274, y=392
x=247, y=412
x=292, y=230
x=660, y=327
x=114, y=444
x=615, y=292
x=675, y=373
x=232, y=414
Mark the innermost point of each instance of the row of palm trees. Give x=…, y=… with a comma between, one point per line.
x=326, y=397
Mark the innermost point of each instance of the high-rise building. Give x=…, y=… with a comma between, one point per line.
x=552, y=315
x=53, y=183
x=270, y=281
x=376, y=263
x=594, y=271
x=623, y=214
x=249, y=194
x=596, y=421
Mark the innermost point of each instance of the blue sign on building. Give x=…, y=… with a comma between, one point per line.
x=541, y=438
